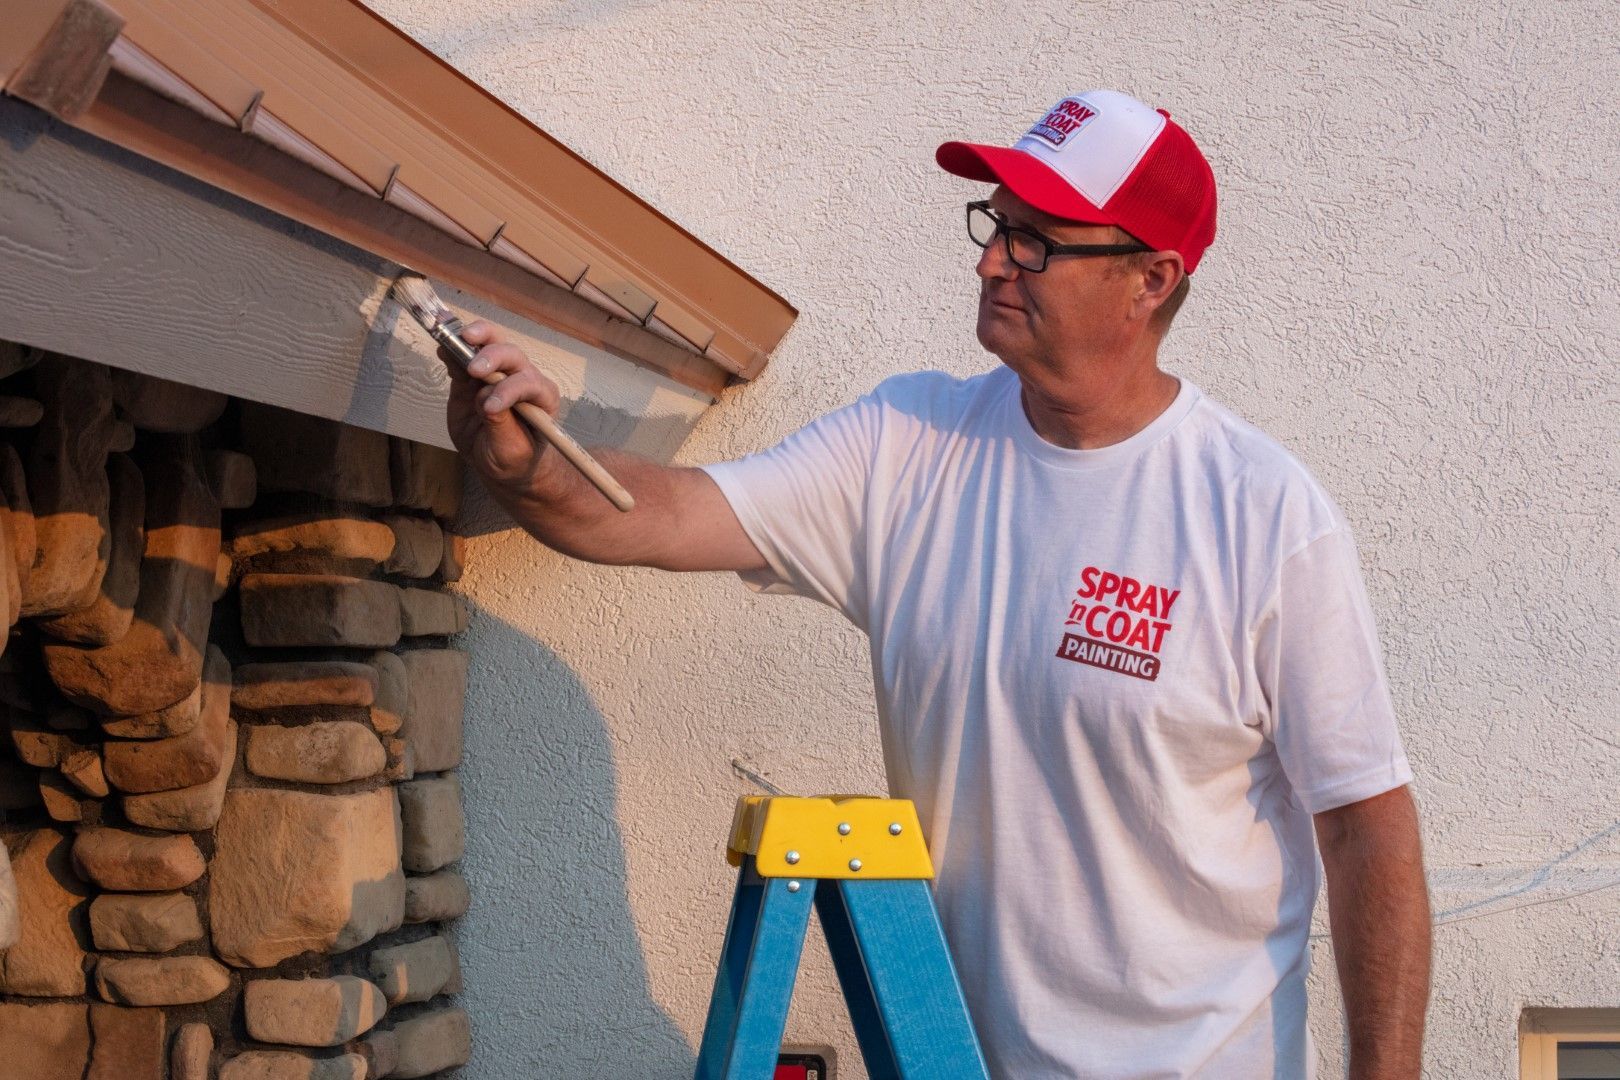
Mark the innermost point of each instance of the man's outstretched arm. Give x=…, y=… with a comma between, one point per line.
x=682, y=521
x=1378, y=909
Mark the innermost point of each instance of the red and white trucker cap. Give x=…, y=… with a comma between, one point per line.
x=1104, y=158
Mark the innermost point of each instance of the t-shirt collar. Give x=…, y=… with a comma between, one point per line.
x=1103, y=456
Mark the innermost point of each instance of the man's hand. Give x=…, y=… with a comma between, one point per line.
x=1378, y=908
x=681, y=521
x=489, y=435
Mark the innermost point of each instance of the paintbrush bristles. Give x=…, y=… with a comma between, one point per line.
x=420, y=298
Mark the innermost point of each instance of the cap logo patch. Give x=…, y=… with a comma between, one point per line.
x=1067, y=117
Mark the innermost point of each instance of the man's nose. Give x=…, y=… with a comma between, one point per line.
x=994, y=262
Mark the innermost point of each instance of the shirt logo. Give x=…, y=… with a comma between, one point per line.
x=1067, y=117
x=1119, y=623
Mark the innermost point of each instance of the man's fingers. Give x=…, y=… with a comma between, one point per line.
x=478, y=332
x=501, y=356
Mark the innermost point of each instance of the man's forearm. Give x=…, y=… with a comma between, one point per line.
x=561, y=509
x=1378, y=908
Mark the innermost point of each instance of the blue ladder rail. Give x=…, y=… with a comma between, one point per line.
x=892, y=962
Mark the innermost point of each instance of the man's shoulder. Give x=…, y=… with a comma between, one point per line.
x=936, y=397
x=1269, y=475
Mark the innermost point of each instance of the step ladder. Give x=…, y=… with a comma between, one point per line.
x=863, y=864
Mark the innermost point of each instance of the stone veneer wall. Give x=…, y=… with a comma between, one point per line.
x=229, y=720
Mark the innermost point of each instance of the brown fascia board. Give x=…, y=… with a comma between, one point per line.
x=423, y=136
x=139, y=119
x=657, y=250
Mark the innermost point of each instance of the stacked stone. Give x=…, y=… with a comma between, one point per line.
x=232, y=719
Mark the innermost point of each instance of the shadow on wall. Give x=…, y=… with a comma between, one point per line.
x=561, y=988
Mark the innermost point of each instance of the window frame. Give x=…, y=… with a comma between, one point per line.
x=1541, y=1031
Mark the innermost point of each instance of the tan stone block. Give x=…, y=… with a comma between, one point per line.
x=454, y=563
x=82, y=768
x=232, y=478
x=44, y=1042
x=413, y=972
x=160, y=660
x=381, y=1051
x=437, y=680
x=428, y=611
x=393, y=692
x=34, y=742
x=295, y=871
x=19, y=412
x=401, y=763
x=434, y=830
x=418, y=545
x=295, y=452
x=315, y=534
x=123, y=861
x=64, y=803
x=163, y=980
x=19, y=786
x=18, y=514
x=67, y=484
x=187, y=809
x=433, y=1042
x=436, y=897
x=126, y=1044
x=179, y=761
x=16, y=357
x=123, y=437
x=318, y=609
x=312, y=1012
x=192, y=1051
x=144, y=922
x=222, y=575
x=286, y=1065
x=48, y=959
x=9, y=928
x=111, y=610
x=322, y=752
x=176, y=719
x=303, y=682
x=154, y=404
x=426, y=477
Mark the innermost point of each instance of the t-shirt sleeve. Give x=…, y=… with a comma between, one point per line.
x=1332, y=719
x=802, y=503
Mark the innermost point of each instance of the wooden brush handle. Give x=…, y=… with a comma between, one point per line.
x=544, y=426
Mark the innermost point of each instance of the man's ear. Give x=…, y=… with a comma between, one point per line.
x=1161, y=272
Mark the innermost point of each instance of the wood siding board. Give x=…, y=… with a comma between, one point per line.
x=309, y=324
x=135, y=62
x=503, y=248
x=401, y=195
x=133, y=116
x=171, y=44
x=331, y=106
x=266, y=125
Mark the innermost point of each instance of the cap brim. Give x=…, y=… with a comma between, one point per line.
x=1026, y=176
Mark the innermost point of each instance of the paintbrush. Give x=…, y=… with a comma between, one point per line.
x=420, y=299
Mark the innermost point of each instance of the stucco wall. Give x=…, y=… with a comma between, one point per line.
x=1413, y=288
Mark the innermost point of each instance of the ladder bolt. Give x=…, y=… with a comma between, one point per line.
x=792, y=858
x=854, y=864
x=894, y=830
x=793, y=886
x=843, y=828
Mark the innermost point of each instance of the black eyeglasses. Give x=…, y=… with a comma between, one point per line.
x=1028, y=248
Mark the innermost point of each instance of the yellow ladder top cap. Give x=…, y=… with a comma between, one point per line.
x=829, y=836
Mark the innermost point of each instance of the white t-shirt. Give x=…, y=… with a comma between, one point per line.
x=1117, y=683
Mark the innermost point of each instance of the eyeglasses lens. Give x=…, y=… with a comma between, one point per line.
x=1025, y=250
x=981, y=226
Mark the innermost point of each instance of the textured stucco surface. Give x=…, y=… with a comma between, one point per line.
x=1413, y=288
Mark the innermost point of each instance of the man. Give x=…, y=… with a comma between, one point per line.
x=1123, y=654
